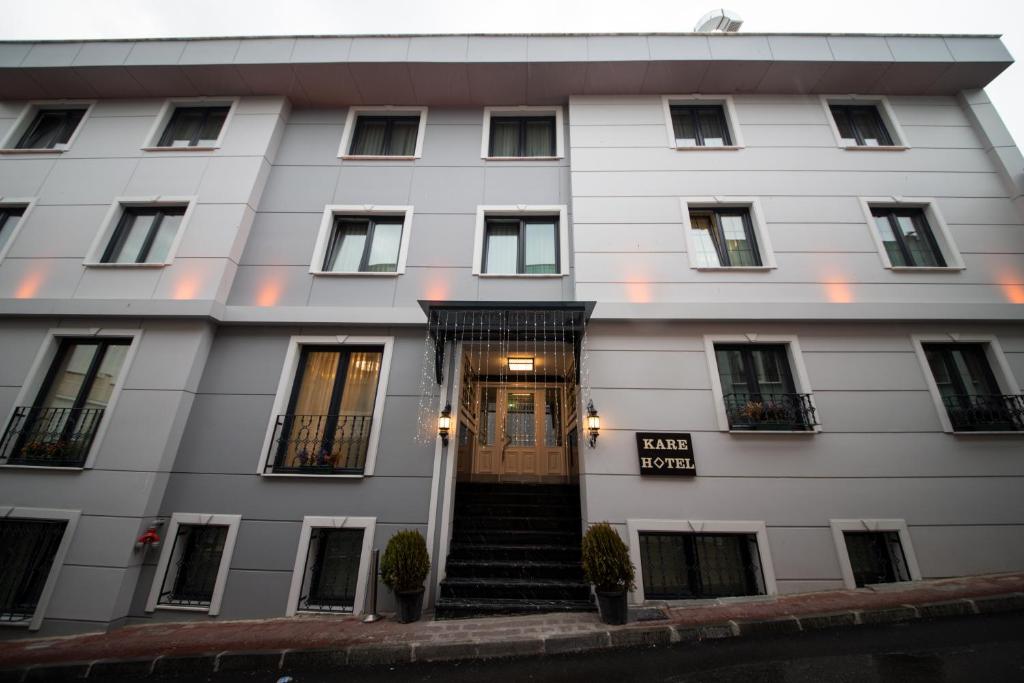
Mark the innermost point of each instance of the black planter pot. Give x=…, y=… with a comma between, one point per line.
x=410, y=605
x=613, y=606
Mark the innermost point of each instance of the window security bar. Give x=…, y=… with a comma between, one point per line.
x=770, y=411
x=319, y=444
x=49, y=437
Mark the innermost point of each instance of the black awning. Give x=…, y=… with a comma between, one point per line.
x=520, y=321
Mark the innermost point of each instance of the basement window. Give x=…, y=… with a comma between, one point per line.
x=194, y=566
x=876, y=557
x=331, y=571
x=679, y=566
x=28, y=547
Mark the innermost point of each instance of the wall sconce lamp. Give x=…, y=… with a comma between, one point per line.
x=444, y=423
x=593, y=424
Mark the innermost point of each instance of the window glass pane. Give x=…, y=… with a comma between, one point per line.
x=346, y=252
x=369, y=136
x=712, y=127
x=502, y=248
x=705, y=255
x=732, y=371
x=27, y=548
x=164, y=238
x=722, y=564
x=9, y=218
x=892, y=248
x=664, y=567
x=520, y=426
x=106, y=376
x=132, y=236
x=316, y=385
x=335, y=571
x=504, y=138
x=876, y=557
x=913, y=230
x=489, y=417
x=940, y=371
x=403, y=138
x=742, y=251
x=552, y=418
x=682, y=124
x=387, y=238
x=540, y=137
x=844, y=125
x=211, y=128
x=71, y=375
x=198, y=564
x=869, y=124
x=685, y=565
x=770, y=368
x=51, y=128
x=540, y=248
x=360, y=390
x=185, y=125
x=973, y=367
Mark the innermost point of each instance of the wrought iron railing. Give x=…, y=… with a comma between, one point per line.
x=793, y=412
x=49, y=437
x=985, y=413
x=319, y=444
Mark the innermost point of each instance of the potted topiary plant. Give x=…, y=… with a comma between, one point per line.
x=606, y=565
x=403, y=569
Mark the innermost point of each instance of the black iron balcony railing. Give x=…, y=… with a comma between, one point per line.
x=985, y=413
x=49, y=437
x=766, y=412
x=319, y=444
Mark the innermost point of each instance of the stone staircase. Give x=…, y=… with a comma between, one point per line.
x=515, y=549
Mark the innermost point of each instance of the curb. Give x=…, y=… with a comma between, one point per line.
x=390, y=654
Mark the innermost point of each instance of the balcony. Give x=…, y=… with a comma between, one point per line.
x=319, y=444
x=770, y=412
x=49, y=437
x=992, y=413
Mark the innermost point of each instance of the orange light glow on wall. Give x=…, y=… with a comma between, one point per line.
x=1014, y=292
x=638, y=292
x=437, y=291
x=269, y=293
x=838, y=292
x=29, y=285
x=187, y=288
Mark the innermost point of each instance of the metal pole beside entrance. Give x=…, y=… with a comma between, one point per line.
x=371, y=594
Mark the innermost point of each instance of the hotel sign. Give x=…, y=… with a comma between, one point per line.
x=665, y=454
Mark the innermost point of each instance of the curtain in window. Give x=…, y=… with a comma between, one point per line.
x=211, y=128
x=682, y=124
x=489, y=417
x=311, y=407
x=552, y=418
x=184, y=127
x=540, y=248
x=732, y=371
x=70, y=376
x=352, y=435
x=540, y=138
x=502, y=248
x=711, y=127
x=504, y=138
x=387, y=239
x=369, y=137
x=346, y=252
x=867, y=122
x=403, y=138
x=705, y=254
x=106, y=376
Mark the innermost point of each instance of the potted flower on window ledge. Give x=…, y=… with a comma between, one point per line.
x=403, y=569
x=606, y=565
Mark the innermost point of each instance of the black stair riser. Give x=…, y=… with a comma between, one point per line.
x=516, y=524
x=513, y=553
x=512, y=570
x=469, y=610
x=506, y=591
x=480, y=537
x=501, y=509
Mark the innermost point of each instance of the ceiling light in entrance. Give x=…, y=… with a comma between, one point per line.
x=520, y=364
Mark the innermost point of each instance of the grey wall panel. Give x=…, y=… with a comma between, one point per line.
x=167, y=356
x=282, y=239
x=243, y=587
x=456, y=284
x=512, y=185
x=647, y=370
x=877, y=411
x=24, y=177
x=804, y=553
x=21, y=341
x=271, y=286
x=400, y=452
x=134, y=439
x=299, y=188
x=441, y=240
x=86, y=593
x=266, y=545
x=523, y=289
x=864, y=371
x=168, y=176
x=111, y=136
x=992, y=549
x=354, y=290
x=39, y=278
x=245, y=361
x=87, y=181
x=225, y=434
x=432, y=192
x=310, y=144
x=453, y=144
x=104, y=542
x=111, y=283
x=88, y=491
x=365, y=183
x=59, y=232
x=616, y=238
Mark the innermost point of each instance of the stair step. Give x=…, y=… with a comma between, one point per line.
x=515, y=553
x=531, y=569
x=530, y=589
x=516, y=509
x=459, y=608
x=516, y=537
x=567, y=524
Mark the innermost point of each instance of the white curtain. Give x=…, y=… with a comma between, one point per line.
x=540, y=136
x=369, y=137
x=502, y=248
x=403, y=138
x=387, y=239
x=350, y=239
x=540, y=248
x=505, y=139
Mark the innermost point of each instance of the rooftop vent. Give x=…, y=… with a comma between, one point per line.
x=721, y=20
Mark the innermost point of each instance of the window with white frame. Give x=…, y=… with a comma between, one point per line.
x=910, y=234
x=389, y=132
x=726, y=233
x=194, y=561
x=144, y=234
x=331, y=568
x=970, y=392
x=194, y=126
x=512, y=242
x=874, y=551
x=522, y=133
x=863, y=123
x=698, y=122
x=362, y=240
x=47, y=127
x=33, y=543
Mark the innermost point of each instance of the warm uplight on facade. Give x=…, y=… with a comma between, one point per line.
x=269, y=293
x=187, y=288
x=638, y=292
x=1013, y=291
x=29, y=286
x=520, y=364
x=838, y=292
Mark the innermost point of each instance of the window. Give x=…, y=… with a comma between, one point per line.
x=385, y=136
x=521, y=246
x=522, y=136
x=364, y=244
x=969, y=391
x=331, y=575
x=699, y=565
x=195, y=564
x=194, y=127
x=758, y=388
x=51, y=128
x=723, y=238
x=58, y=429
x=328, y=424
x=10, y=216
x=144, y=235
x=28, y=548
x=907, y=237
x=700, y=126
x=860, y=125
x=876, y=557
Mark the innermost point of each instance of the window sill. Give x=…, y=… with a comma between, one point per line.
x=181, y=149
x=329, y=273
x=143, y=266
x=376, y=157
x=869, y=148
x=283, y=475
x=183, y=608
x=740, y=269
x=926, y=269
x=49, y=468
x=24, y=623
x=761, y=432
x=11, y=150
x=545, y=158
x=528, y=276
x=706, y=148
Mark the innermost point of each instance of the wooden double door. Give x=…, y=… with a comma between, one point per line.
x=517, y=432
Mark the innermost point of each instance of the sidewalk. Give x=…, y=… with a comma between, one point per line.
x=320, y=643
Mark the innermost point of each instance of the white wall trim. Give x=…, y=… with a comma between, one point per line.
x=728, y=106
x=27, y=115
x=386, y=110
x=284, y=388
x=151, y=142
x=453, y=378
x=41, y=364
x=232, y=522
x=71, y=517
x=316, y=264
x=996, y=360
x=368, y=524
x=941, y=232
x=758, y=528
x=482, y=212
x=757, y=221
x=27, y=203
x=885, y=110
x=113, y=217
x=898, y=525
x=796, y=364
x=523, y=110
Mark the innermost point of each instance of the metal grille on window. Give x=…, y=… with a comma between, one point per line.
x=195, y=563
x=688, y=565
x=876, y=557
x=27, y=549
x=331, y=570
